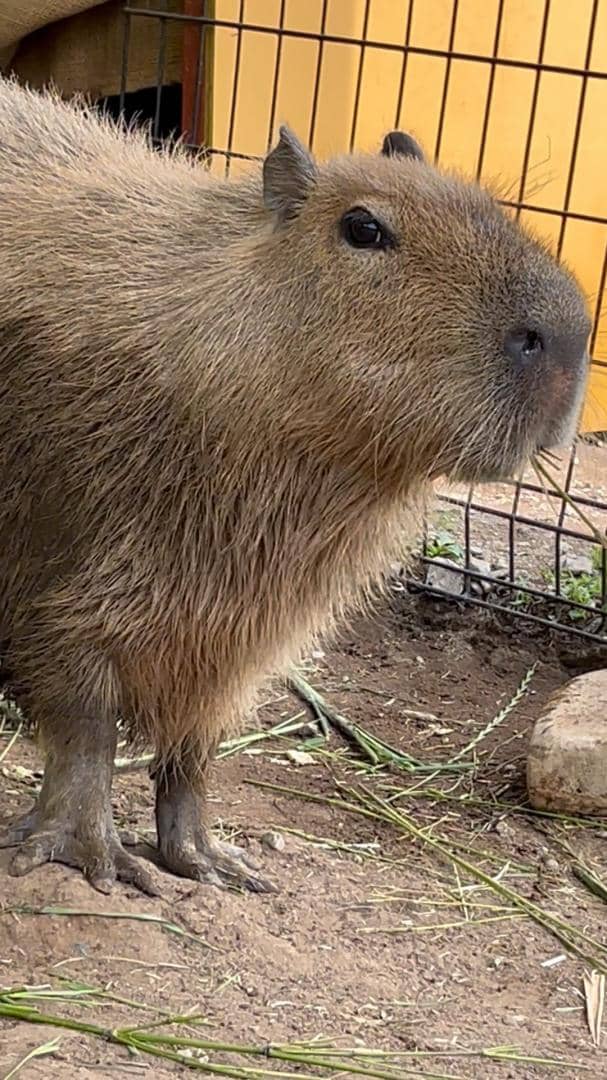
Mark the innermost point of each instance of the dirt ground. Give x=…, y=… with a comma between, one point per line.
x=373, y=941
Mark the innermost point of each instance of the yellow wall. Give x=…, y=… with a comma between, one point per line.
x=585, y=243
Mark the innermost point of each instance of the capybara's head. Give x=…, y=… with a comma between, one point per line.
x=427, y=321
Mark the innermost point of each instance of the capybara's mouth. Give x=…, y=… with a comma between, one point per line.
x=498, y=464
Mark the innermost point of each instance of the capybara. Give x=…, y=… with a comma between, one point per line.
x=222, y=402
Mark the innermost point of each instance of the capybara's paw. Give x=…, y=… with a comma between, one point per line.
x=224, y=865
x=99, y=855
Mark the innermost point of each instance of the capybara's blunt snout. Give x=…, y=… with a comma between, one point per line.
x=557, y=362
x=532, y=386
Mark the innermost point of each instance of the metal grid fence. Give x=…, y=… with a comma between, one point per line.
x=543, y=562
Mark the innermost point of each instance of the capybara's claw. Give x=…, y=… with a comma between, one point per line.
x=102, y=858
x=223, y=865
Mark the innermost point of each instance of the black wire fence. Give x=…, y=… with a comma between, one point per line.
x=525, y=548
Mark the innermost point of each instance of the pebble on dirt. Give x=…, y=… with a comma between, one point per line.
x=567, y=760
x=578, y=564
x=446, y=576
x=273, y=841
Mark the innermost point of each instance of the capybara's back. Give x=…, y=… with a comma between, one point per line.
x=221, y=401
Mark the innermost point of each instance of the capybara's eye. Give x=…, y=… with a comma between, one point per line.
x=361, y=230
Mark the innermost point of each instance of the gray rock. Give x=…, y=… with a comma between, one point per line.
x=273, y=841
x=446, y=576
x=567, y=760
x=578, y=564
x=499, y=569
x=477, y=586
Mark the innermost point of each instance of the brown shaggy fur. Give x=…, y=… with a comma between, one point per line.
x=218, y=415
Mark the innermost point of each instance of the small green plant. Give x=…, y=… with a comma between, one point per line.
x=597, y=558
x=581, y=589
x=577, y=589
x=443, y=545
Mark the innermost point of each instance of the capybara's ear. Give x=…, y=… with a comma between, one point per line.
x=399, y=144
x=288, y=173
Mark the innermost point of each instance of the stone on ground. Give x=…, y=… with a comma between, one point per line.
x=567, y=760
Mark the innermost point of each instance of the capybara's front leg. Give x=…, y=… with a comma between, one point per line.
x=185, y=842
x=72, y=820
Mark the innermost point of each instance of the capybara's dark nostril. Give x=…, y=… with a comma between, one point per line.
x=525, y=346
